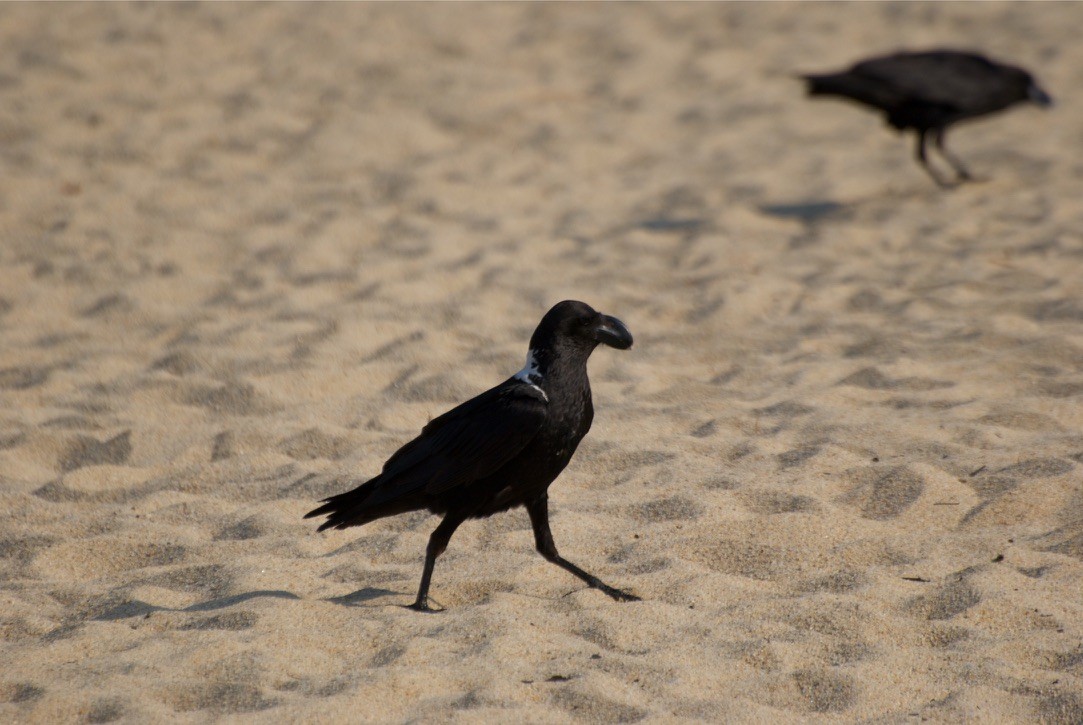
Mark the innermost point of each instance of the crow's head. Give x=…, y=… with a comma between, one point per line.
x=1036, y=94
x=577, y=325
x=1027, y=89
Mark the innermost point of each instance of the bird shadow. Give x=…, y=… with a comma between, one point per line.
x=138, y=608
x=361, y=596
x=807, y=212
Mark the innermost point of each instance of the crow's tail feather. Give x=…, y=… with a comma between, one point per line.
x=346, y=509
x=372, y=500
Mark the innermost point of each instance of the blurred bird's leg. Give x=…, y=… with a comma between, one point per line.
x=543, y=540
x=437, y=545
x=938, y=139
x=919, y=153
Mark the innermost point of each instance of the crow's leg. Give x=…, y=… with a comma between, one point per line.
x=938, y=139
x=437, y=545
x=543, y=539
x=919, y=153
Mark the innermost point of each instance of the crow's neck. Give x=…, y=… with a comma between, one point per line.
x=552, y=370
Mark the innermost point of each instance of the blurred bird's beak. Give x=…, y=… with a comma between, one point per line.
x=612, y=332
x=1037, y=95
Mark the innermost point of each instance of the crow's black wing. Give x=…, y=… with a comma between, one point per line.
x=949, y=79
x=470, y=441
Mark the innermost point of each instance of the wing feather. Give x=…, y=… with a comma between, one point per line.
x=469, y=442
x=952, y=80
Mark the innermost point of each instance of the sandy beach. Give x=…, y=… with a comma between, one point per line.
x=249, y=250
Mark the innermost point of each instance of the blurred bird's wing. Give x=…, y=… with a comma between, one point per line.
x=952, y=80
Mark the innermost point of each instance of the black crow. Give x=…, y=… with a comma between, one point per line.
x=499, y=450
x=929, y=91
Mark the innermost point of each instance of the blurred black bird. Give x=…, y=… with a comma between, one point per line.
x=499, y=450
x=929, y=91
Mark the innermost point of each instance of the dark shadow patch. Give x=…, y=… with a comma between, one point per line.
x=912, y=403
x=362, y=596
x=1071, y=661
x=619, y=461
x=1036, y=572
x=177, y=363
x=824, y=691
x=393, y=347
x=870, y=379
x=705, y=430
x=57, y=491
x=137, y=608
x=992, y=486
x=946, y=602
x=873, y=379
x=23, y=549
x=115, y=302
x=1072, y=546
x=883, y=493
x=129, y=609
x=945, y=636
x=20, y=692
x=839, y=582
x=720, y=483
x=249, y=528
x=388, y=655
x=1019, y=420
x=1004, y=480
x=305, y=342
x=665, y=224
x=1059, y=708
x=776, y=502
x=726, y=376
x=705, y=309
x=631, y=558
x=224, y=602
x=87, y=451
x=1038, y=468
x=23, y=378
x=223, y=446
x=228, y=399
x=207, y=579
x=224, y=697
x=313, y=688
x=673, y=508
x=105, y=710
x=648, y=566
x=1060, y=389
x=803, y=211
x=797, y=456
x=785, y=409
x=594, y=708
x=71, y=422
x=743, y=558
x=230, y=621
x=874, y=346
x=61, y=633
x=1068, y=309
x=11, y=440
x=314, y=443
x=869, y=300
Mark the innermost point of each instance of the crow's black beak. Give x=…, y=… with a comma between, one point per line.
x=1037, y=95
x=612, y=332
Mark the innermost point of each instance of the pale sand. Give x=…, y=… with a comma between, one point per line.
x=247, y=251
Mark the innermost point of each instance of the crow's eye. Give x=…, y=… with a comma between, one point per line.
x=586, y=322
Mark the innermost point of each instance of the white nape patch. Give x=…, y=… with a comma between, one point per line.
x=531, y=374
